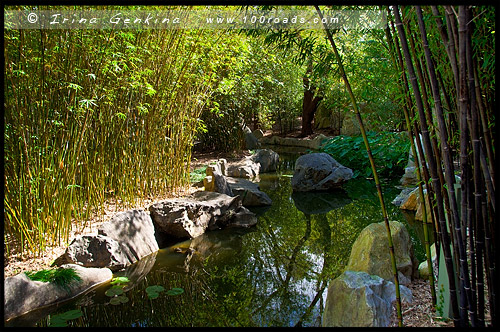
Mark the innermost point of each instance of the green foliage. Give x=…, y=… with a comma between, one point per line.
x=60, y=320
x=154, y=291
x=175, y=291
x=262, y=88
x=198, y=174
x=97, y=114
x=61, y=277
x=117, y=300
x=389, y=150
x=119, y=280
x=116, y=292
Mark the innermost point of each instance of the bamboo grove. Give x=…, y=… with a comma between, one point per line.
x=447, y=87
x=94, y=115
x=98, y=114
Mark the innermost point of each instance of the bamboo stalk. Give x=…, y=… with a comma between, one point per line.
x=404, y=83
x=432, y=163
x=448, y=161
x=372, y=163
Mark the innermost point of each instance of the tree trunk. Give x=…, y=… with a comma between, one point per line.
x=310, y=102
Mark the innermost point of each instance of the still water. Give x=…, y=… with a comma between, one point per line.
x=275, y=274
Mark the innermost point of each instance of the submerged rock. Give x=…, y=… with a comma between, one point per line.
x=319, y=172
x=357, y=299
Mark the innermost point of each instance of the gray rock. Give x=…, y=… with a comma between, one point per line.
x=357, y=299
x=94, y=251
x=250, y=140
x=313, y=144
x=249, y=192
x=410, y=176
x=22, y=295
x=215, y=179
x=191, y=216
x=319, y=172
x=245, y=168
x=267, y=159
x=134, y=231
x=402, y=197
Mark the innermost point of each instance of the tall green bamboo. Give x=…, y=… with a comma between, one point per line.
x=372, y=163
x=97, y=118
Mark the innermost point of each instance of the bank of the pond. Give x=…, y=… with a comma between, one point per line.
x=416, y=314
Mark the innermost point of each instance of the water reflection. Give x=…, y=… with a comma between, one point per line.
x=320, y=202
x=274, y=274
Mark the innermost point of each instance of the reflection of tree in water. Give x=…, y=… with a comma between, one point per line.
x=272, y=275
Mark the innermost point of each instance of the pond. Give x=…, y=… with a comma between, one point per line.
x=275, y=274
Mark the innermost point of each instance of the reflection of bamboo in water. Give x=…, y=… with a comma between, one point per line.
x=289, y=269
x=324, y=277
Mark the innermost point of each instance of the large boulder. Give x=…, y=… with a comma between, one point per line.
x=134, y=231
x=245, y=168
x=191, y=216
x=267, y=159
x=370, y=252
x=319, y=172
x=357, y=299
x=22, y=295
x=123, y=240
x=94, y=251
x=250, y=193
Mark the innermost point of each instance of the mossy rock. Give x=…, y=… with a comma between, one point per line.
x=370, y=252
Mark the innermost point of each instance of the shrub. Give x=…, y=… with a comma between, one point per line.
x=389, y=150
